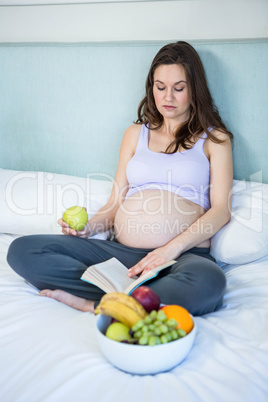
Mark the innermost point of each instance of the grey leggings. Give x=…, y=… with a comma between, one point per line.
x=195, y=282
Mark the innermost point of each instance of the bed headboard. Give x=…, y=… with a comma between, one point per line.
x=64, y=107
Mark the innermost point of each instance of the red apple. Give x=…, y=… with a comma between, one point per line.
x=147, y=298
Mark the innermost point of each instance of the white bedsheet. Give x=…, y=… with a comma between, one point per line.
x=49, y=352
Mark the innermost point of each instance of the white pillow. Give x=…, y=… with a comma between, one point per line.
x=245, y=237
x=32, y=202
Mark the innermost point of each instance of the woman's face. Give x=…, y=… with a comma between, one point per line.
x=171, y=92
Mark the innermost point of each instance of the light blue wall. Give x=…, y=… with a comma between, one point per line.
x=64, y=108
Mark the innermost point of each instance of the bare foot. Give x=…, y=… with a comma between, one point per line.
x=73, y=301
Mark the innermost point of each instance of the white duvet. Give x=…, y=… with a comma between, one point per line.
x=49, y=352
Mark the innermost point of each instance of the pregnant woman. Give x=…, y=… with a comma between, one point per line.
x=171, y=194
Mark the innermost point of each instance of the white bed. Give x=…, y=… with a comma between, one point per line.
x=49, y=352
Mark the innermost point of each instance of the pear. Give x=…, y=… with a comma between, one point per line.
x=118, y=331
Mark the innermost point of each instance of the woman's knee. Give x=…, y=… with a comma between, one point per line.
x=17, y=252
x=200, y=272
x=197, y=284
x=212, y=288
x=22, y=251
x=17, y=249
x=215, y=278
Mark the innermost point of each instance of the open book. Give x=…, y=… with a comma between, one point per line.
x=111, y=276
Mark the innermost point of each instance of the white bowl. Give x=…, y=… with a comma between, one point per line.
x=139, y=359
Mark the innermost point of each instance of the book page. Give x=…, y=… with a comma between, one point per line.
x=146, y=277
x=95, y=278
x=111, y=276
x=114, y=271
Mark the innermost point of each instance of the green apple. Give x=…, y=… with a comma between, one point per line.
x=76, y=217
x=118, y=331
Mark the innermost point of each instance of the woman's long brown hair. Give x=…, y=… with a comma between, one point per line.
x=204, y=114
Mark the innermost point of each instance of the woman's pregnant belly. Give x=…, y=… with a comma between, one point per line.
x=151, y=218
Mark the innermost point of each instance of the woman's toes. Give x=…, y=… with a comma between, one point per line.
x=70, y=300
x=44, y=292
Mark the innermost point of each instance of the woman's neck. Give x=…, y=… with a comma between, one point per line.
x=169, y=127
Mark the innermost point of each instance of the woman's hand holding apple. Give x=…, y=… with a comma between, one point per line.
x=73, y=219
x=67, y=230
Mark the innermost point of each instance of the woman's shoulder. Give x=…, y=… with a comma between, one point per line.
x=216, y=141
x=131, y=137
x=215, y=136
x=132, y=133
x=133, y=130
x=220, y=135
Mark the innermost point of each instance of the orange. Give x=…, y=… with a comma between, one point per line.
x=181, y=315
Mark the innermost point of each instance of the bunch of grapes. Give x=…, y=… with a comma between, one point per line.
x=155, y=329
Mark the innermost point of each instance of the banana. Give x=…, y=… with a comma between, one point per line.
x=127, y=300
x=119, y=311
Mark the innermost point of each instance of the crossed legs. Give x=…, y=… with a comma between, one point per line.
x=55, y=263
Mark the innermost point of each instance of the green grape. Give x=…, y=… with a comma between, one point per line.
x=137, y=334
x=144, y=340
x=169, y=337
x=149, y=333
x=134, y=328
x=148, y=319
x=157, y=331
x=137, y=326
x=153, y=314
x=144, y=329
x=171, y=323
x=161, y=316
x=154, y=340
x=181, y=332
x=151, y=327
x=174, y=334
x=140, y=324
x=163, y=328
x=164, y=338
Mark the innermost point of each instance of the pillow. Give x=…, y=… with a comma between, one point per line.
x=32, y=202
x=245, y=237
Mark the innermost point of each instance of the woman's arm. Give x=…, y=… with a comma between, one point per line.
x=104, y=218
x=221, y=180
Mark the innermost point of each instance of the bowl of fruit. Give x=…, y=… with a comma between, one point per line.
x=139, y=335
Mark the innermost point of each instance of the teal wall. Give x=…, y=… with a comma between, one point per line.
x=65, y=107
